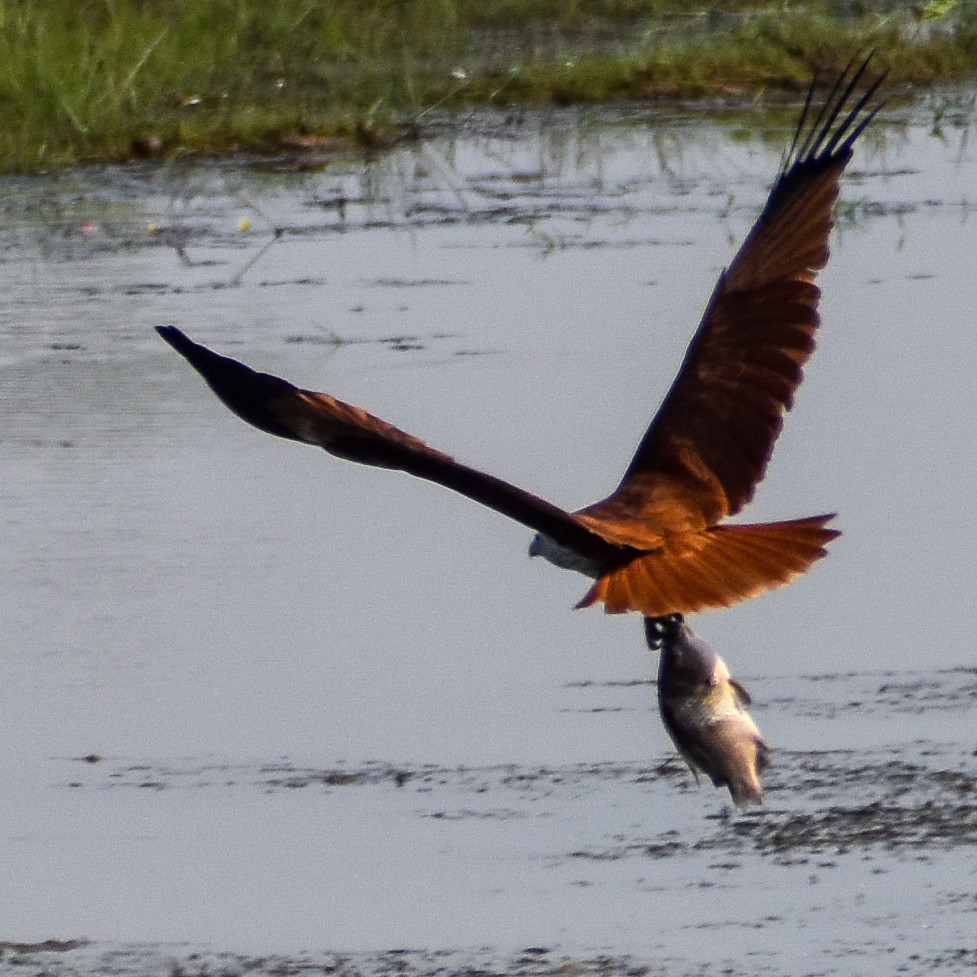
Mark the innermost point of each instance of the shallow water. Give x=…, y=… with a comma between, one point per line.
x=329, y=712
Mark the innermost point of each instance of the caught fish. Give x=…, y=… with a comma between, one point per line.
x=704, y=711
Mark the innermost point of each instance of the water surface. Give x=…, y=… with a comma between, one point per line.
x=332, y=710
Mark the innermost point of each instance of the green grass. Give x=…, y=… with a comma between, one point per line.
x=86, y=79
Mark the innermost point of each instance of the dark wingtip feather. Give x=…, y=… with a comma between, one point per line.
x=827, y=137
x=246, y=392
x=178, y=340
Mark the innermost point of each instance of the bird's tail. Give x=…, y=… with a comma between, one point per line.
x=716, y=568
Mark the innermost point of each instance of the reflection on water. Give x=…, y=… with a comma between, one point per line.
x=199, y=606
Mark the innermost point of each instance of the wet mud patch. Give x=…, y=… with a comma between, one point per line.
x=839, y=830
x=527, y=782
x=77, y=959
x=17, y=953
x=53, y=959
x=950, y=691
x=915, y=798
x=413, y=282
x=836, y=804
x=400, y=343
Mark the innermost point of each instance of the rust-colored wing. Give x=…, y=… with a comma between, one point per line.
x=714, y=433
x=276, y=406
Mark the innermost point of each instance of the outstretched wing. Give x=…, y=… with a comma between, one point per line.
x=714, y=433
x=276, y=406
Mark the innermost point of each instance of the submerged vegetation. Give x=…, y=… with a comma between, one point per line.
x=107, y=79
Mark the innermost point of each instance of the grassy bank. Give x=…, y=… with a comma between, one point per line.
x=106, y=79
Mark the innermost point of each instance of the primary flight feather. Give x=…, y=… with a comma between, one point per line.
x=658, y=544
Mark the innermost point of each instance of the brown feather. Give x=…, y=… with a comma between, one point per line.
x=716, y=568
x=276, y=406
x=725, y=408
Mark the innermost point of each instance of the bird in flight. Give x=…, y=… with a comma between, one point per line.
x=659, y=544
x=704, y=711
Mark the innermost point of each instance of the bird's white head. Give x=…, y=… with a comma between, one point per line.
x=563, y=556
